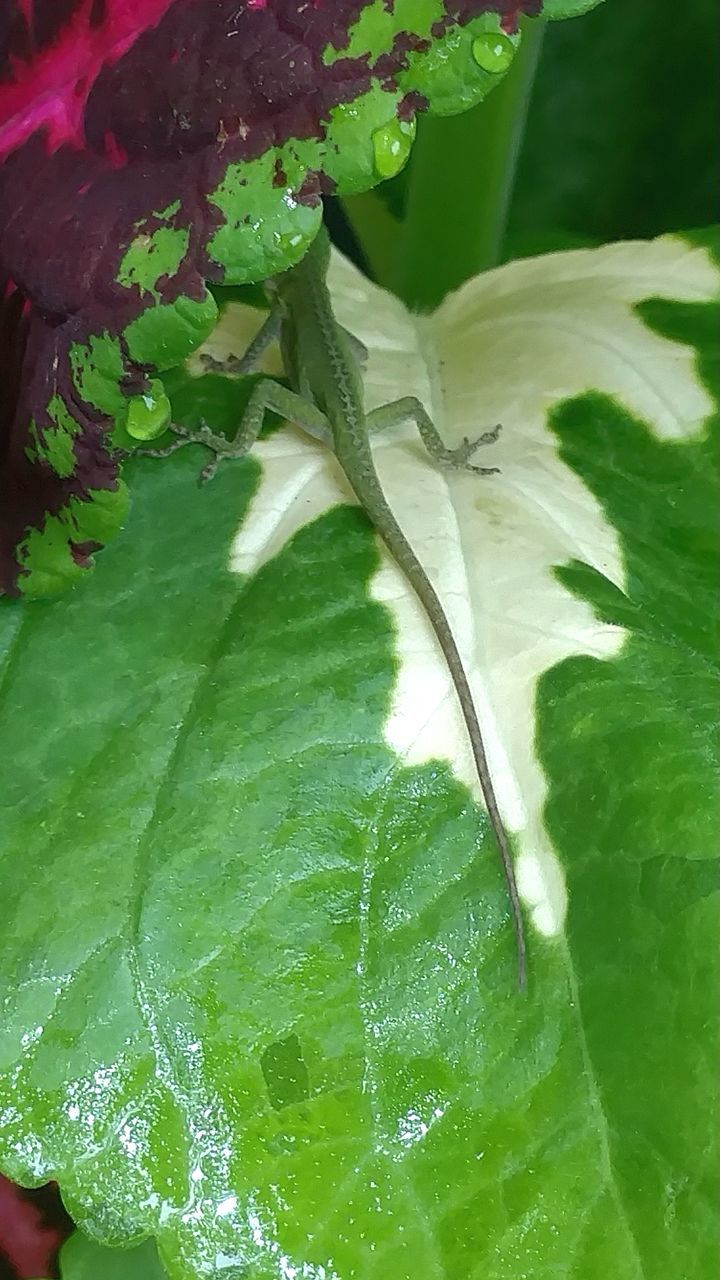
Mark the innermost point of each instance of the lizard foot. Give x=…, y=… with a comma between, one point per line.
x=232, y=364
x=460, y=457
x=219, y=445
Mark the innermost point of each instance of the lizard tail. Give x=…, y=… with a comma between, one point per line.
x=382, y=517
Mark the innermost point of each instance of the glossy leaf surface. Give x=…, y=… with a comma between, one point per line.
x=260, y=992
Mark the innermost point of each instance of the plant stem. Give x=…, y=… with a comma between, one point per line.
x=378, y=232
x=460, y=185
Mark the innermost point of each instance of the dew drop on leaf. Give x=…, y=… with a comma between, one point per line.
x=493, y=51
x=391, y=146
x=149, y=413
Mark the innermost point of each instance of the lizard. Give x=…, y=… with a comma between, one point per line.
x=326, y=400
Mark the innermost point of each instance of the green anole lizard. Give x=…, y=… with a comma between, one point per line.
x=326, y=401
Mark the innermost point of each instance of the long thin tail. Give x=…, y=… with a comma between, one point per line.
x=401, y=551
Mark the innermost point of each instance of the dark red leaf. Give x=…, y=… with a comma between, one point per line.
x=33, y=1225
x=120, y=119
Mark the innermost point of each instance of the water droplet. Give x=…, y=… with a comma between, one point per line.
x=148, y=414
x=493, y=51
x=391, y=146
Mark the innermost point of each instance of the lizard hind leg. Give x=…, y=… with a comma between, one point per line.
x=266, y=395
x=388, y=415
x=220, y=446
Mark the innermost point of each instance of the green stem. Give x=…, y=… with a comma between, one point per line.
x=460, y=185
x=378, y=232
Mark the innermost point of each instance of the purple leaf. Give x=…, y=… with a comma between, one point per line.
x=148, y=147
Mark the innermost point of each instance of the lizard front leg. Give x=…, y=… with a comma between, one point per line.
x=268, y=394
x=268, y=333
x=389, y=415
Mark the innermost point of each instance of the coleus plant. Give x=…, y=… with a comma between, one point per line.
x=259, y=983
x=152, y=146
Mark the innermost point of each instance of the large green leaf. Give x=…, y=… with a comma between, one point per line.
x=259, y=972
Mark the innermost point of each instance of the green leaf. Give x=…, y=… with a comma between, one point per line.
x=259, y=971
x=82, y=1259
